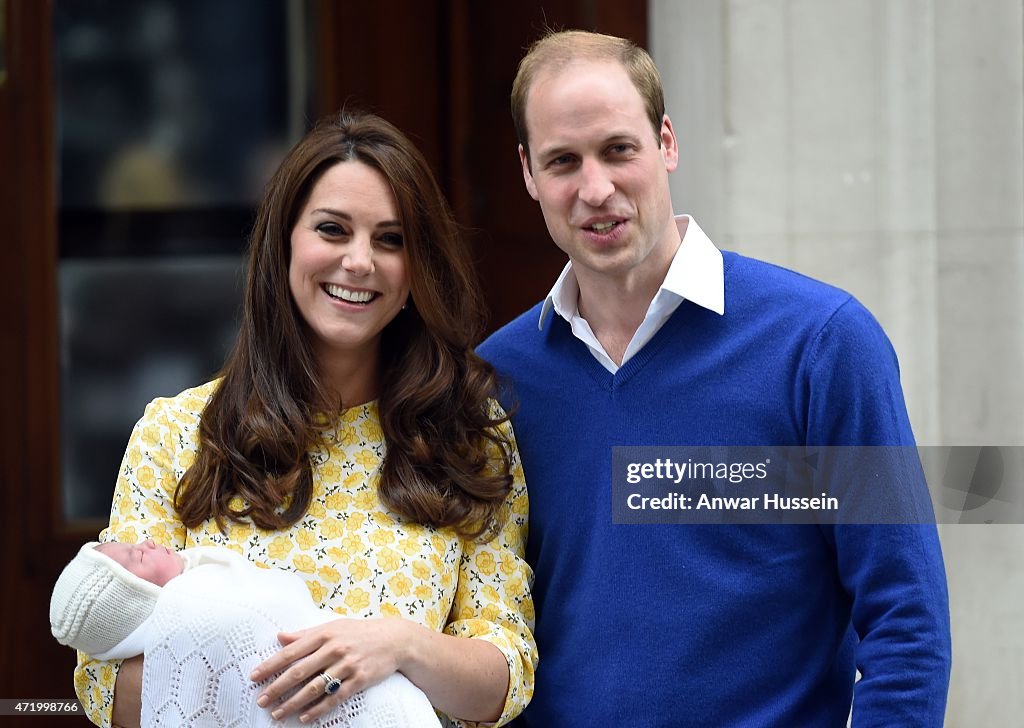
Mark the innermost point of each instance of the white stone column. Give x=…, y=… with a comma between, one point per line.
x=979, y=161
x=879, y=145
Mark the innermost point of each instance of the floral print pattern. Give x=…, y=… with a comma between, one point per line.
x=356, y=557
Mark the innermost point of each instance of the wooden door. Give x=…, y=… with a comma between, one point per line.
x=36, y=541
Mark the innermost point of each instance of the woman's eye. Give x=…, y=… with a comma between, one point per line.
x=332, y=229
x=393, y=240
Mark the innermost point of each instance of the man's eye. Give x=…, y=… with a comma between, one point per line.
x=619, y=148
x=561, y=161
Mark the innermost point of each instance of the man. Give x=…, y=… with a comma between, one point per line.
x=651, y=336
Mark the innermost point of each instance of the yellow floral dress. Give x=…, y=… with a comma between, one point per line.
x=356, y=557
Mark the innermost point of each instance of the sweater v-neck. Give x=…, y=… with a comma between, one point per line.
x=611, y=381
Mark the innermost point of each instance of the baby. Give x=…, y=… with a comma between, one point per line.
x=203, y=617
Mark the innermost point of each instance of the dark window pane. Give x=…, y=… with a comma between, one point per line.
x=171, y=116
x=173, y=104
x=133, y=329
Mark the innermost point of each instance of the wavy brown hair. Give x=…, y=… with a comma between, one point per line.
x=441, y=431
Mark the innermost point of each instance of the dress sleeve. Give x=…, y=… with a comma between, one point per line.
x=157, y=456
x=492, y=599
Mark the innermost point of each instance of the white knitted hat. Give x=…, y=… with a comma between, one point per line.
x=96, y=602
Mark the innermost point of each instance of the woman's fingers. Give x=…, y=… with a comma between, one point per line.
x=358, y=653
x=352, y=681
x=293, y=650
x=312, y=697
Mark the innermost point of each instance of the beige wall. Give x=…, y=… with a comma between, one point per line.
x=879, y=145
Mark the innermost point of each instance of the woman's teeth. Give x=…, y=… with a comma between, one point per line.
x=346, y=295
x=603, y=227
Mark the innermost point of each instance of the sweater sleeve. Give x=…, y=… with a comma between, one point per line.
x=492, y=599
x=142, y=509
x=894, y=574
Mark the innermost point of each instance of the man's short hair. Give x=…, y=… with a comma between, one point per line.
x=559, y=48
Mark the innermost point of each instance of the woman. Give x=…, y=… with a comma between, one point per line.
x=351, y=439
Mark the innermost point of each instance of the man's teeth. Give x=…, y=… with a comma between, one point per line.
x=603, y=227
x=351, y=296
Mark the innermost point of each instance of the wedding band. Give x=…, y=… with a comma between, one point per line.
x=331, y=684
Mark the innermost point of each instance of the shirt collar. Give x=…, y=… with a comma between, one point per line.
x=695, y=274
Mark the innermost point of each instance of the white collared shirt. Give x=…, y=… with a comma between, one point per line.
x=695, y=274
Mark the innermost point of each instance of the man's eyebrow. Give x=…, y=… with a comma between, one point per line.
x=551, y=152
x=624, y=136
x=560, y=149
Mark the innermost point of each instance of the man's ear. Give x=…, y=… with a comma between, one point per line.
x=524, y=159
x=669, y=145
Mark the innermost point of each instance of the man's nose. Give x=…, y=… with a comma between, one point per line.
x=596, y=185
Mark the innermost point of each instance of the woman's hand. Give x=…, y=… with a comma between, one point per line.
x=358, y=652
x=128, y=694
x=464, y=678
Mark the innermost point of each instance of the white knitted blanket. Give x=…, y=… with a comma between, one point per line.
x=215, y=623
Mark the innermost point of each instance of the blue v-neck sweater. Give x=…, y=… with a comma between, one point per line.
x=722, y=625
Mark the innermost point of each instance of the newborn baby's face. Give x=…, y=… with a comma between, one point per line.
x=146, y=560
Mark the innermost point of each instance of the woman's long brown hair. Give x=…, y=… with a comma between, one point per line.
x=441, y=432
